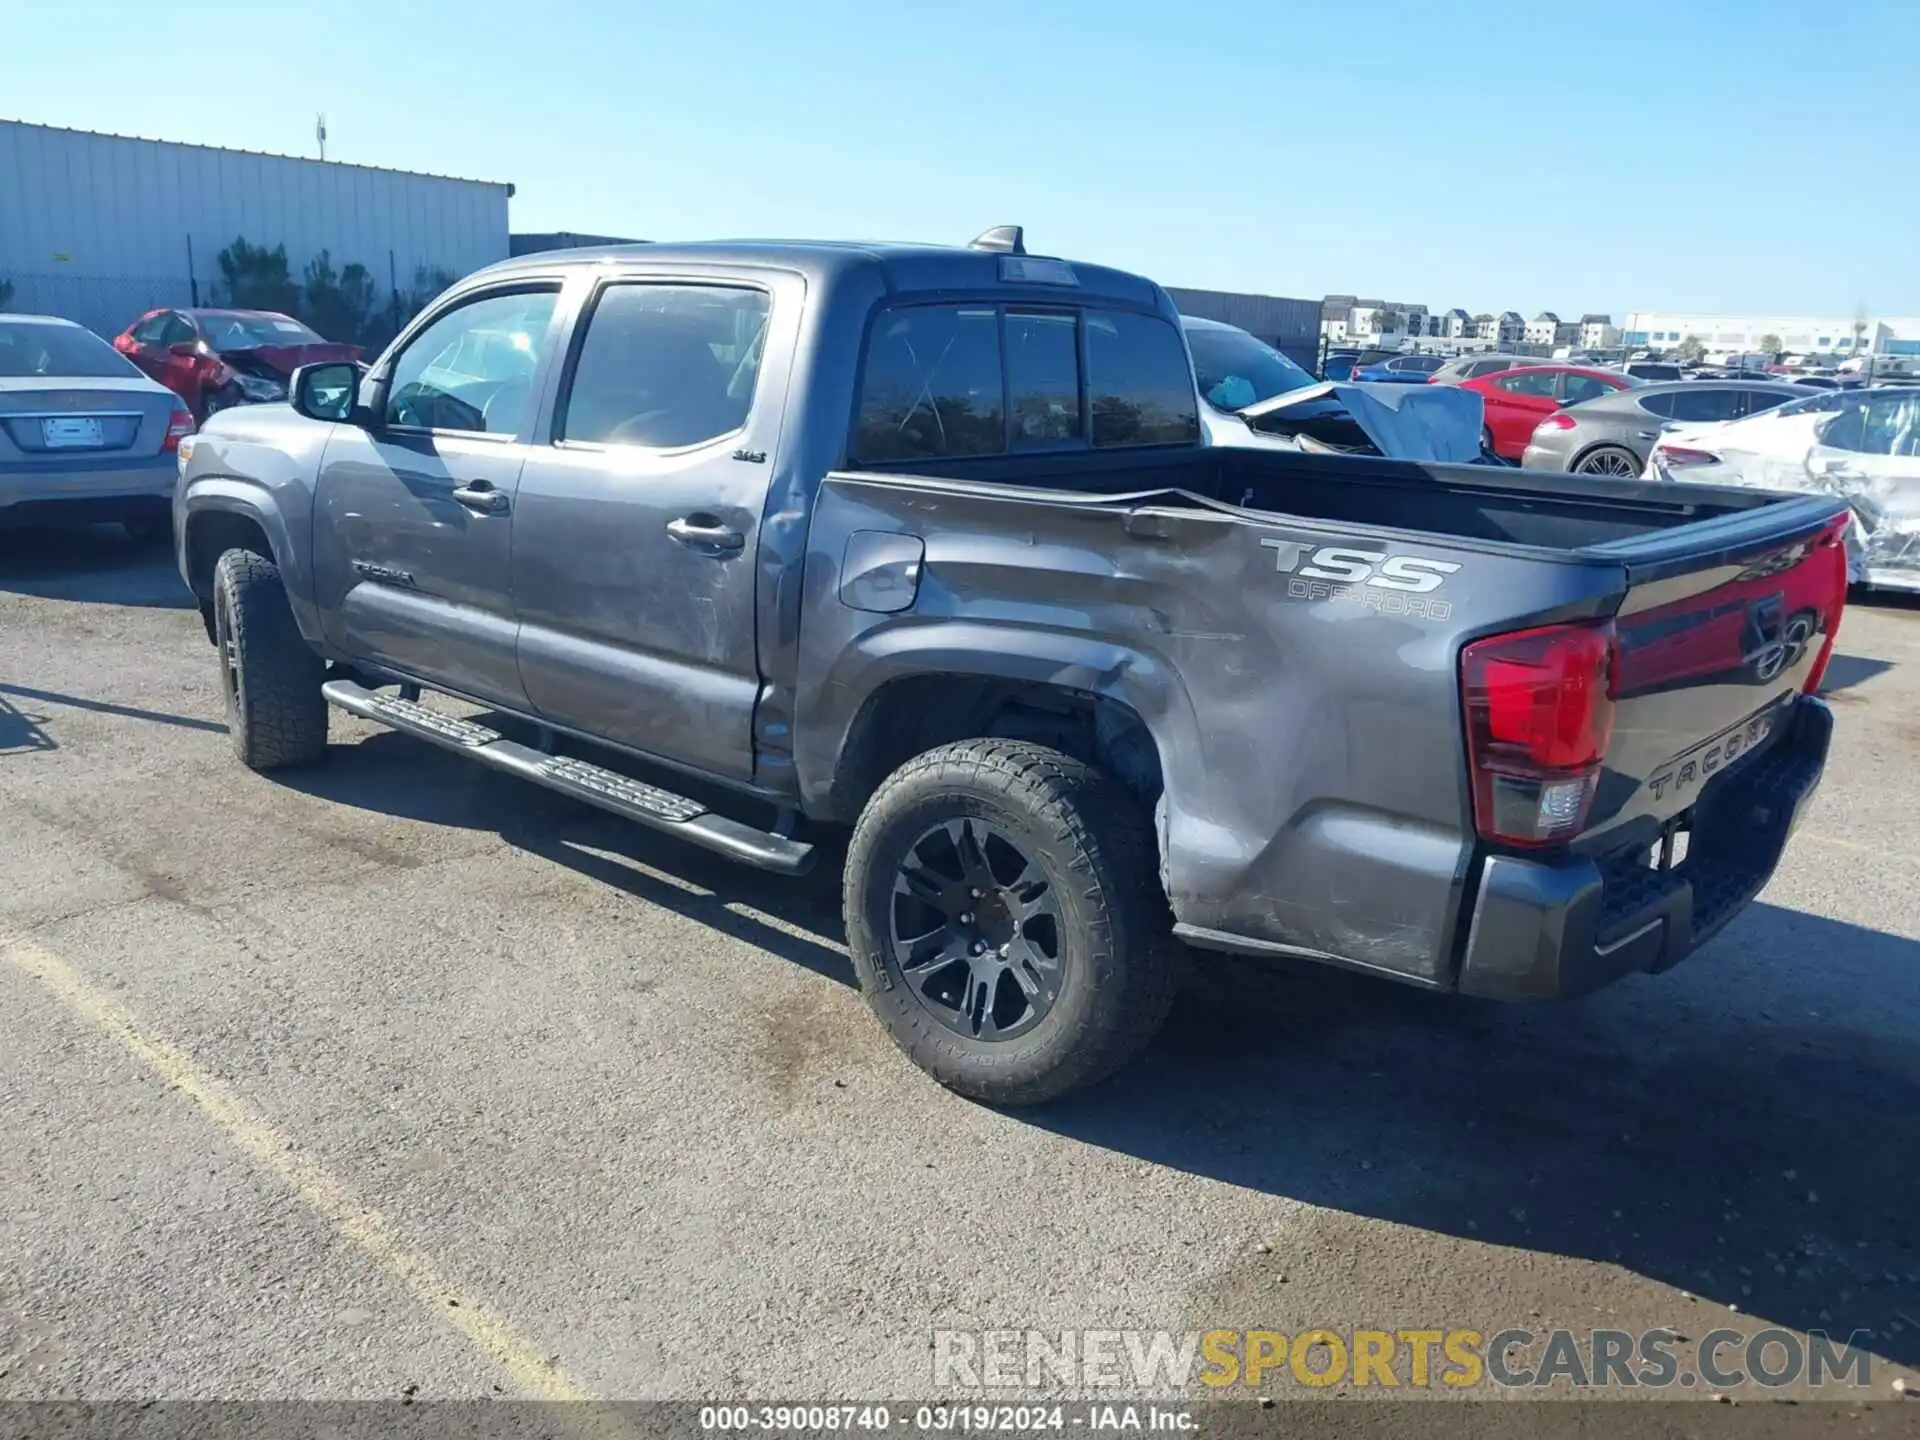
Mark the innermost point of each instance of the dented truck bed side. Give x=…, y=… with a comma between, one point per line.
x=1299, y=678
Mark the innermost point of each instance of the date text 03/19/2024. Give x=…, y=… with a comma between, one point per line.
x=964, y=1419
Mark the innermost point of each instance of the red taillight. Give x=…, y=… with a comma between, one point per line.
x=1832, y=554
x=1539, y=710
x=179, y=426
x=1677, y=455
x=1559, y=420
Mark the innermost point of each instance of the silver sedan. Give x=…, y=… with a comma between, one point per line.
x=1613, y=435
x=83, y=434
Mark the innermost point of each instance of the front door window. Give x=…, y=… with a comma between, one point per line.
x=472, y=369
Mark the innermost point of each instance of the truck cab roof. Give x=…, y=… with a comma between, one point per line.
x=903, y=268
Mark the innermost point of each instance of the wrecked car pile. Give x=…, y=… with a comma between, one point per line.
x=1863, y=446
x=1257, y=397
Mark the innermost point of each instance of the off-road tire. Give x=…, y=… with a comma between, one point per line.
x=276, y=715
x=1096, y=842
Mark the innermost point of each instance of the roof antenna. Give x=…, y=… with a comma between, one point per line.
x=1006, y=239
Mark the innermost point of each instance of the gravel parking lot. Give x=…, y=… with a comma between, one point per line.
x=401, y=1077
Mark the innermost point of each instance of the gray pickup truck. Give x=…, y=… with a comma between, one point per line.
x=920, y=548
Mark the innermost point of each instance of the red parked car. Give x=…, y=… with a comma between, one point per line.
x=1519, y=399
x=216, y=358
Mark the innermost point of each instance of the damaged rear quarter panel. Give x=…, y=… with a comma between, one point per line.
x=1308, y=728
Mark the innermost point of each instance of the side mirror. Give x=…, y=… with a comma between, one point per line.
x=328, y=391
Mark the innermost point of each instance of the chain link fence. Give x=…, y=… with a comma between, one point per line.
x=108, y=304
x=105, y=304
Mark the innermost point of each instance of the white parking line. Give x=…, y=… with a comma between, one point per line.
x=349, y=1216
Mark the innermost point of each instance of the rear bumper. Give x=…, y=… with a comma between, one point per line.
x=1549, y=929
x=1887, y=578
x=33, y=488
x=1541, y=457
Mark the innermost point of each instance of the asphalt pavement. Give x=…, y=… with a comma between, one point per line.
x=402, y=1078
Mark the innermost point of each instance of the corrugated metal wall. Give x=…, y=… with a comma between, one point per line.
x=98, y=228
x=1290, y=326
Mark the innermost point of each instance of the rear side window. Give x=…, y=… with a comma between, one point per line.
x=1043, y=377
x=1891, y=425
x=1759, y=400
x=1540, y=386
x=933, y=385
x=1661, y=405
x=960, y=380
x=1575, y=388
x=1139, y=381
x=1709, y=402
x=1846, y=431
x=666, y=365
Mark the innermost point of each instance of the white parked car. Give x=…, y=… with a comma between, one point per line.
x=1863, y=445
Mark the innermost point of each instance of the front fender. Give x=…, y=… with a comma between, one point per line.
x=201, y=502
x=255, y=463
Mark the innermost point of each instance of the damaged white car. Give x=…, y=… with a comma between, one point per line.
x=1255, y=396
x=1863, y=446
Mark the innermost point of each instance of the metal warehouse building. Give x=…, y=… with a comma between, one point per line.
x=100, y=228
x=1291, y=326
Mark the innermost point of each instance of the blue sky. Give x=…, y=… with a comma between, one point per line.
x=1736, y=155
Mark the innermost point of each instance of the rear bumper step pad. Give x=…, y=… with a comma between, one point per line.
x=609, y=790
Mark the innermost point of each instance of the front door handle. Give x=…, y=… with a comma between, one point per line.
x=481, y=498
x=705, y=532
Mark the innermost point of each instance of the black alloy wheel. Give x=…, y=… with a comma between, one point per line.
x=976, y=930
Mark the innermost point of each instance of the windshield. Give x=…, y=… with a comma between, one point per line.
x=60, y=350
x=247, y=332
x=1236, y=370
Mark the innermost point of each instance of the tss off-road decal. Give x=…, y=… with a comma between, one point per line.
x=1357, y=575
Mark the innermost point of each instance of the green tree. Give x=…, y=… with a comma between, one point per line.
x=1691, y=348
x=1771, y=345
x=428, y=281
x=339, y=306
x=253, y=277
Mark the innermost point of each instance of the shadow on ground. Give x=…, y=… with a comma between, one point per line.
x=396, y=774
x=22, y=732
x=1846, y=671
x=63, y=700
x=1746, y=1128
x=98, y=564
x=1729, y=1129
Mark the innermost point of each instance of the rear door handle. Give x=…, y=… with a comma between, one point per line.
x=481, y=498
x=705, y=532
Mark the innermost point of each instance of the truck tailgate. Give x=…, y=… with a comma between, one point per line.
x=1723, y=625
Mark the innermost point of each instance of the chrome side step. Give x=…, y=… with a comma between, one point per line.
x=618, y=794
